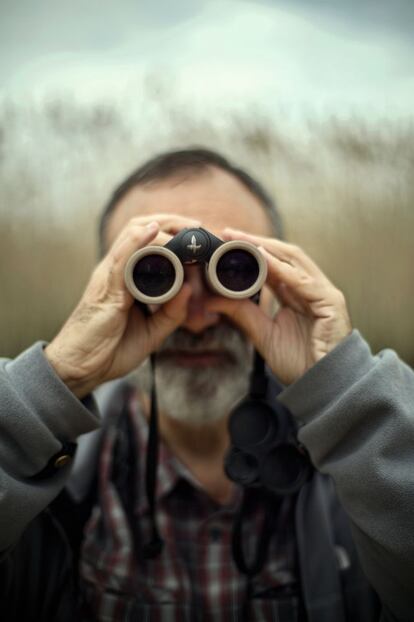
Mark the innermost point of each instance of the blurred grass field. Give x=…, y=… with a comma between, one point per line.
x=345, y=190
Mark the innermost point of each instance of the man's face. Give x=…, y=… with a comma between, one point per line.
x=203, y=368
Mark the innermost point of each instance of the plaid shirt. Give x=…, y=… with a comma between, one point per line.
x=194, y=578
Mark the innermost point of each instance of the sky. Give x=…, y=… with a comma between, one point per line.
x=297, y=56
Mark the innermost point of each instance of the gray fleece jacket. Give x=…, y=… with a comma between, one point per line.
x=355, y=413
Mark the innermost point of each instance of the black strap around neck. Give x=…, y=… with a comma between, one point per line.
x=258, y=379
x=259, y=559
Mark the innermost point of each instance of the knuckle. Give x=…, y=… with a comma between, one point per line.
x=137, y=220
x=98, y=287
x=99, y=271
x=293, y=249
x=135, y=234
x=111, y=260
x=84, y=312
x=305, y=279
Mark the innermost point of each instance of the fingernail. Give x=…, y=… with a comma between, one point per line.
x=153, y=225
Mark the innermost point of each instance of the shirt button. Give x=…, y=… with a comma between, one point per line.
x=62, y=461
x=215, y=534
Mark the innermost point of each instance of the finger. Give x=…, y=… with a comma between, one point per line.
x=166, y=223
x=169, y=223
x=305, y=287
x=287, y=298
x=290, y=253
x=130, y=240
x=161, y=239
x=247, y=315
x=168, y=317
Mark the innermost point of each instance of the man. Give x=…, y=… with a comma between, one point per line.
x=335, y=390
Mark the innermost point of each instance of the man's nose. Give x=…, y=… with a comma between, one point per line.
x=198, y=319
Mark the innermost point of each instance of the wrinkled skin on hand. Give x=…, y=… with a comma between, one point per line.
x=312, y=318
x=107, y=336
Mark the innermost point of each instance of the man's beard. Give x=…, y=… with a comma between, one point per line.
x=200, y=394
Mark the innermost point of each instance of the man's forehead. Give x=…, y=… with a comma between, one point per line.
x=215, y=197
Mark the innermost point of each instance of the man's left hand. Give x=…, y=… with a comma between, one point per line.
x=311, y=320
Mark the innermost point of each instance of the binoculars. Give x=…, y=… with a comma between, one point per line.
x=235, y=269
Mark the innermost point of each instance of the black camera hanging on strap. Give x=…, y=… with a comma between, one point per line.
x=264, y=450
x=264, y=453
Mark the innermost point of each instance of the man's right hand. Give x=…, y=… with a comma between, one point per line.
x=107, y=336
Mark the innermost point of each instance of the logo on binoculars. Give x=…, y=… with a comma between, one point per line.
x=194, y=246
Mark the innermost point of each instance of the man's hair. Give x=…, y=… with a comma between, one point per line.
x=192, y=160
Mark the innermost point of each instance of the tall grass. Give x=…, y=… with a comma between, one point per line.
x=346, y=191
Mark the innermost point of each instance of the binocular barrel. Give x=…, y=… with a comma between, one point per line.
x=235, y=269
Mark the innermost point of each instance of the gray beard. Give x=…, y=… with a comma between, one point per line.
x=200, y=395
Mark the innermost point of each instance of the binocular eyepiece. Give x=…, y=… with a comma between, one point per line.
x=235, y=269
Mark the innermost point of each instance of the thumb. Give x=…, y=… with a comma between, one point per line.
x=248, y=316
x=168, y=317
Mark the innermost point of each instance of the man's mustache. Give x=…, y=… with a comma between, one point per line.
x=221, y=337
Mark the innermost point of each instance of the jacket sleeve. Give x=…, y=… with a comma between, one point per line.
x=38, y=416
x=356, y=418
